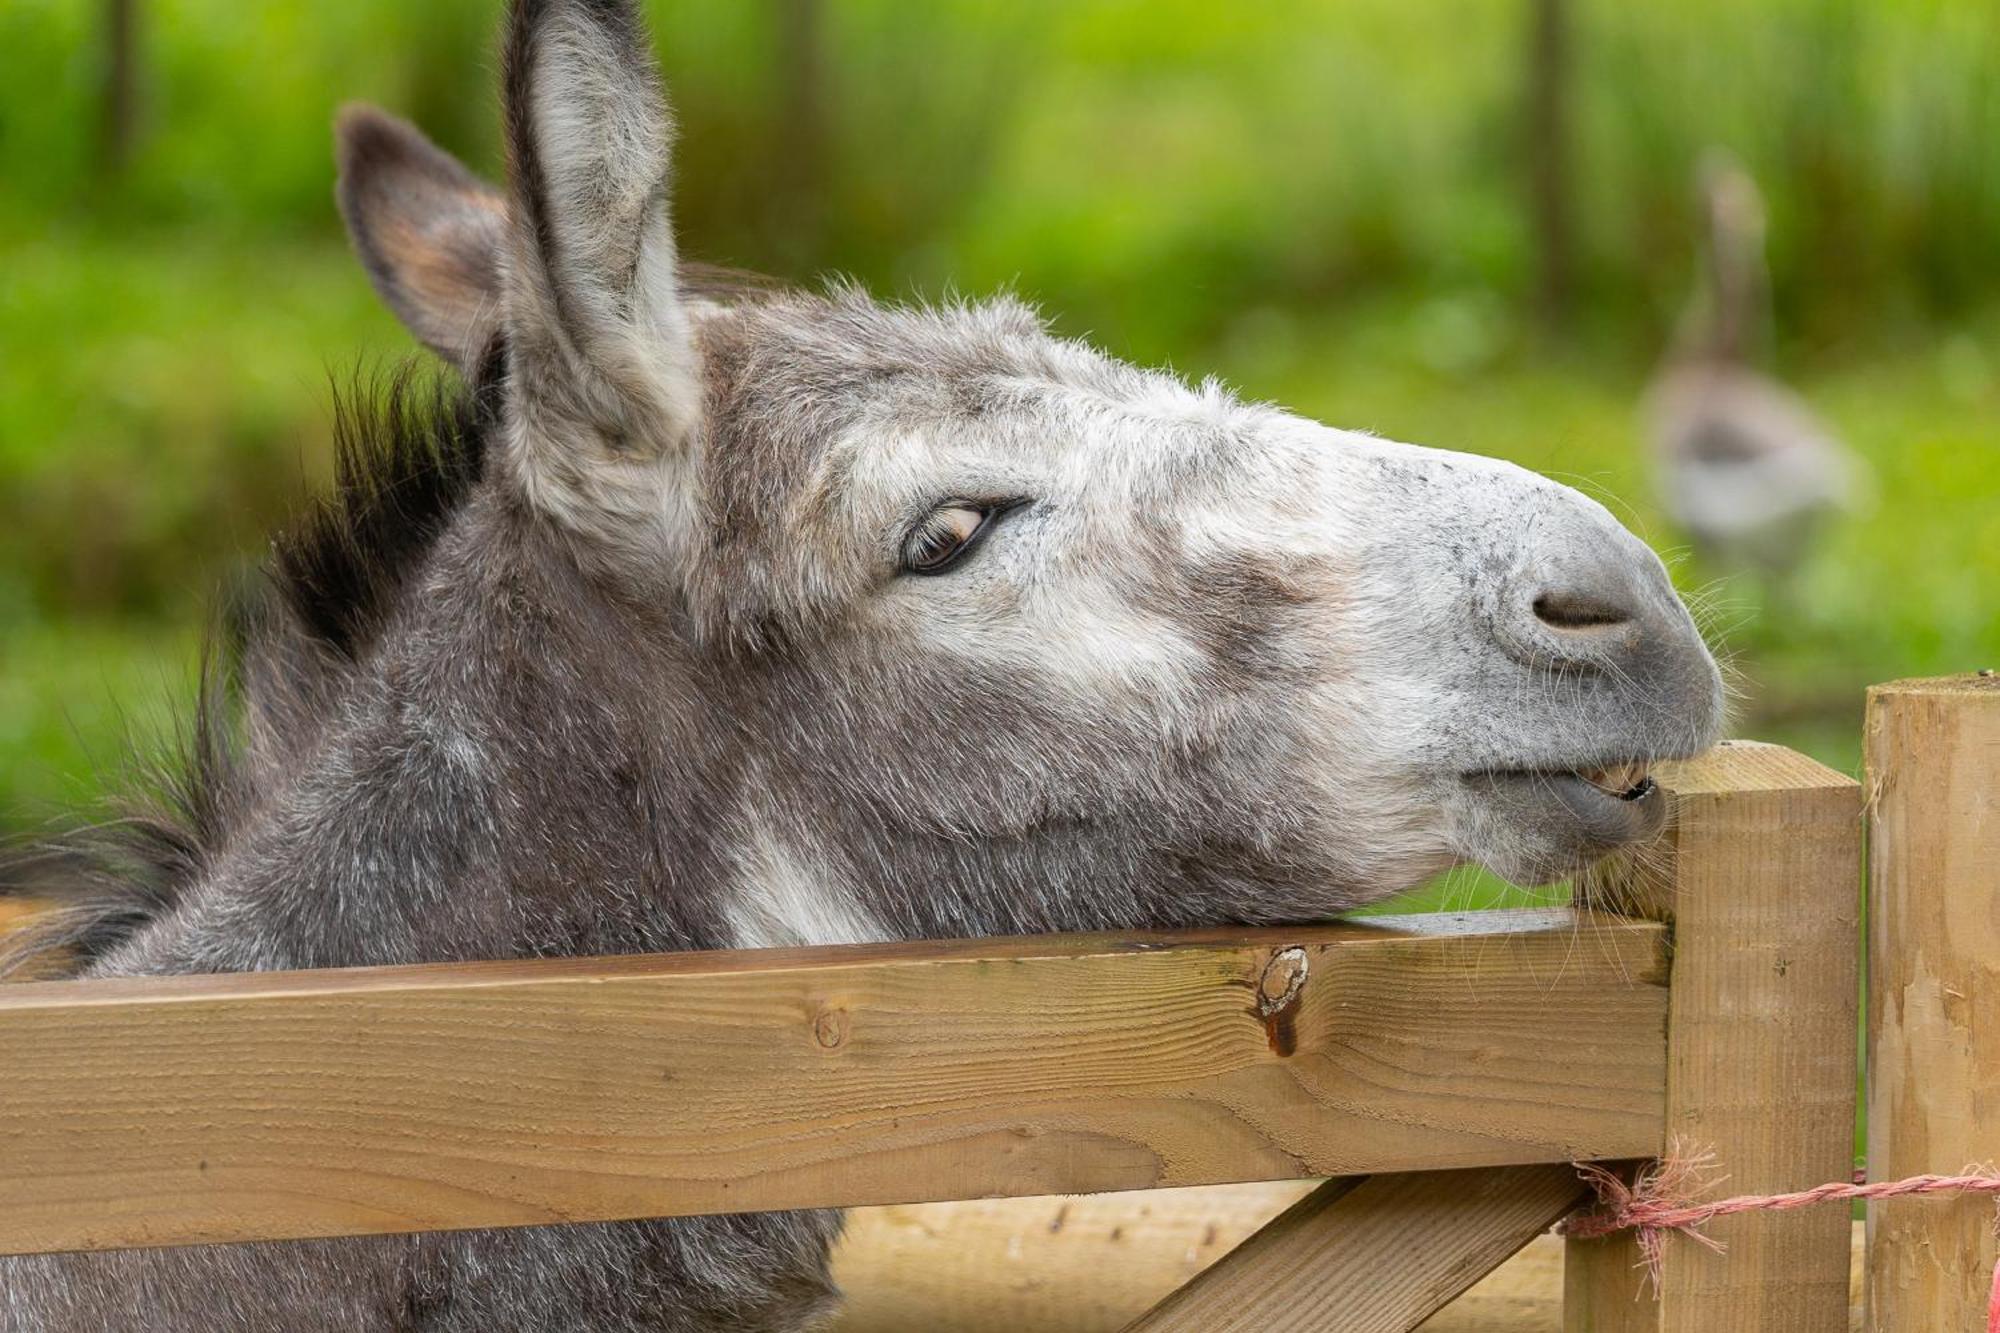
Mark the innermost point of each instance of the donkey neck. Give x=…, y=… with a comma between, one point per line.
x=521, y=765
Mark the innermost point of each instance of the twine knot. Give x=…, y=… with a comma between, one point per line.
x=1661, y=1199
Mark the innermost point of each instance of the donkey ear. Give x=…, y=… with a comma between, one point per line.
x=598, y=329
x=429, y=232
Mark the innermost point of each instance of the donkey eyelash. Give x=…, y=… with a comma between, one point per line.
x=943, y=538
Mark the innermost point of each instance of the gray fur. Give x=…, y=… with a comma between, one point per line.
x=642, y=673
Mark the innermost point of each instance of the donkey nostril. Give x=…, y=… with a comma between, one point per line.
x=1579, y=611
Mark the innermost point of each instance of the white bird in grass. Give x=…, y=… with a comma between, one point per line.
x=1743, y=465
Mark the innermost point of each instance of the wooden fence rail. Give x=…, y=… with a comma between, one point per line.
x=1383, y=1253
x=1704, y=993
x=189, y=1109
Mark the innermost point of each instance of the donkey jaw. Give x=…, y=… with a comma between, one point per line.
x=1536, y=825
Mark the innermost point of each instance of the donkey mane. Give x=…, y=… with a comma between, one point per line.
x=407, y=451
x=408, y=448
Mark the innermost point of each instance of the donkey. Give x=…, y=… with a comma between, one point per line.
x=706, y=619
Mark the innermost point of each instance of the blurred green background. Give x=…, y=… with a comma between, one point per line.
x=1329, y=203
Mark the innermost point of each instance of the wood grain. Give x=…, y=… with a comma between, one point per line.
x=155, y=1111
x=1933, y=992
x=1379, y=1255
x=1760, y=876
x=1276, y=1271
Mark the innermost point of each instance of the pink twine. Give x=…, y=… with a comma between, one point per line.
x=1655, y=1203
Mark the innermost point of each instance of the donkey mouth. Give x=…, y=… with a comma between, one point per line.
x=1628, y=781
x=1603, y=807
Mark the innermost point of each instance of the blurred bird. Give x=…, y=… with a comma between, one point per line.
x=1742, y=464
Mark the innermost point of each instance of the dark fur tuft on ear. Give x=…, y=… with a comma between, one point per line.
x=428, y=231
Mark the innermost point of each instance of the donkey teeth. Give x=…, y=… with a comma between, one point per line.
x=1627, y=781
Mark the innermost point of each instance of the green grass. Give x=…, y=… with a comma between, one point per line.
x=71, y=694
x=164, y=398
x=1151, y=166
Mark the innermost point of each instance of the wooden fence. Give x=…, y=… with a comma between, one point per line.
x=1441, y=1073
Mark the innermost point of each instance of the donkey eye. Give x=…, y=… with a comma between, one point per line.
x=945, y=536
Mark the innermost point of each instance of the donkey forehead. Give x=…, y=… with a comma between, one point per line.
x=848, y=407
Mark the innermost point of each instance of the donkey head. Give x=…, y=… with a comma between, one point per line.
x=986, y=607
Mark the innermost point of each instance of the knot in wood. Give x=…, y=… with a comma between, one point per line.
x=830, y=1027
x=1284, y=977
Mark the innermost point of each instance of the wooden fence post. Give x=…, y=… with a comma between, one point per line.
x=1760, y=877
x=1933, y=992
